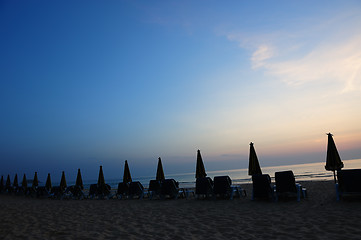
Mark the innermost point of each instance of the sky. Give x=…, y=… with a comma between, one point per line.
x=90, y=83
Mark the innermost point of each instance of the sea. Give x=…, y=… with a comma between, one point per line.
x=302, y=172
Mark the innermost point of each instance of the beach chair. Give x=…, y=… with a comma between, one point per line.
x=154, y=188
x=169, y=189
x=262, y=188
x=286, y=187
x=204, y=188
x=123, y=190
x=75, y=192
x=223, y=187
x=42, y=192
x=136, y=189
x=349, y=183
x=99, y=191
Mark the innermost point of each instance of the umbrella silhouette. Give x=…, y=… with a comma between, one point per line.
x=126, y=176
x=79, y=180
x=333, y=160
x=63, y=182
x=35, y=181
x=24, y=183
x=101, y=181
x=8, y=182
x=160, y=172
x=48, y=183
x=200, y=170
x=16, y=184
x=2, y=182
x=253, y=165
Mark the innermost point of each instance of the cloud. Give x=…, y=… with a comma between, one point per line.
x=339, y=62
x=259, y=57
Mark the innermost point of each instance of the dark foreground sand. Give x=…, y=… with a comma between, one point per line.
x=318, y=217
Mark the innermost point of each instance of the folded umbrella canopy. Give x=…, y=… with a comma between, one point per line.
x=200, y=170
x=79, y=180
x=63, y=182
x=101, y=181
x=2, y=183
x=253, y=165
x=35, y=181
x=160, y=172
x=24, y=183
x=126, y=176
x=333, y=160
x=8, y=183
x=16, y=184
x=48, y=183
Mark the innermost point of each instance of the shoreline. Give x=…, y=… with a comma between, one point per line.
x=319, y=216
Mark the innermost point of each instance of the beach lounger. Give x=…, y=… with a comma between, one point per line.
x=262, y=188
x=123, y=190
x=286, y=187
x=349, y=183
x=223, y=187
x=75, y=192
x=136, y=189
x=154, y=188
x=99, y=191
x=169, y=189
x=204, y=188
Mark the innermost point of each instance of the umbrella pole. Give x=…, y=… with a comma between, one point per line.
x=334, y=176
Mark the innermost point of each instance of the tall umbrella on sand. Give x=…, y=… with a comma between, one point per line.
x=24, y=183
x=48, y=183
x=200, y=170
x=8, y=183
x=253, y=165
x=35, y=181
x=101, y=181
x=79, y=180
x=63, y=182
x=126, y=176
x=333, y=160
x=2, y=183
x=160, y=172
x=16, y=184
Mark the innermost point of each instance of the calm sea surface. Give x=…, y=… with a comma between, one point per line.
x=303, y=172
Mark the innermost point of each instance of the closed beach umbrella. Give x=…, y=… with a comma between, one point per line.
x=35, y=181
x=101, y=180
x=63, y=182
x=126, y=176
x=79, y=180
x=16, y=184
x=2, y=182
x=160, y=172
x=8, y=182
x=24, y=183
x=48, y=183
x=333, y=160
x=253, y=164
x=200, y=170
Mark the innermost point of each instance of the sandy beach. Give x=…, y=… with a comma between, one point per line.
x=317, y=217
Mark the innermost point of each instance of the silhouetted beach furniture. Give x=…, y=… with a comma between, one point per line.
x=23, y=189
x=262, y=188
x=154, y=188
x=34, y=186
x=333, y=160
x=123, y=190
x=100, y=190
x=286, y=187
x=2, y=186
x=48, y=183
x=204, y=187
x=136, y=189
x=76, y=191
x=170, y=189
x=126, y=175
x=349, y=183
x=160, y=172
x=200, y=169
x=223, y=187
x=15, y=184
x=253, y=164
x=8, y=187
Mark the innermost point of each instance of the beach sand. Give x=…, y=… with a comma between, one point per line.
x=317, y=217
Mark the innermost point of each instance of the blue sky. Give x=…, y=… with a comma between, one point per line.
x=89, y=83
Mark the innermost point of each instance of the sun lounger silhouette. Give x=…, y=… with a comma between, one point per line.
x=204, y=187
x=349, y=183
x=262, y=188
x=286, y=187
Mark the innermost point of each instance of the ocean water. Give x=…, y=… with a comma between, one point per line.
x=302, y=172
